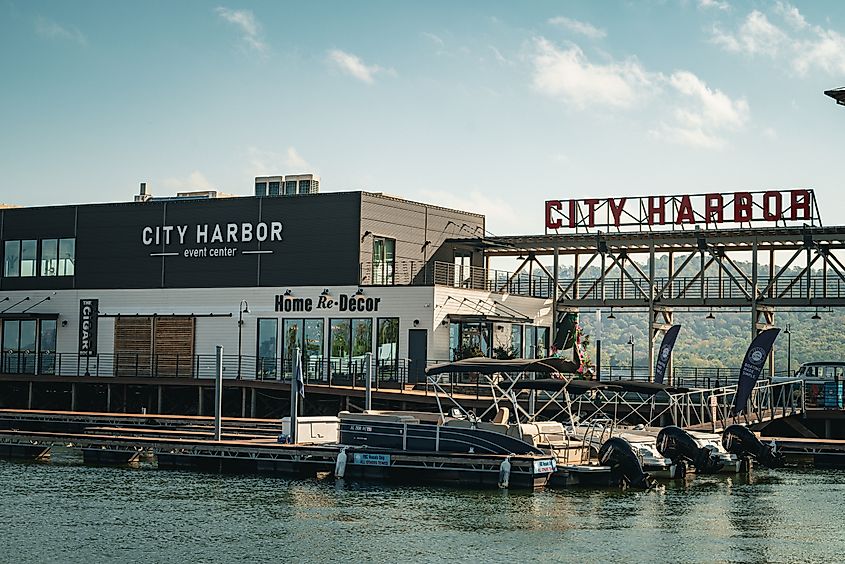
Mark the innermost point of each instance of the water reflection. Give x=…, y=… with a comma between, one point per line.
x=75, y=513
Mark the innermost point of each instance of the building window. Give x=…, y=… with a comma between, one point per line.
x=268, y=347
x=516, y=339
x=304, y=186
x=384, y=257
x=260, y=189
x=387, y=347
x=307, y=334
x=290, y=187
x=21, y=258
x=470, y=339
x=274, y=188
x=536, y=341
x=67, y=256
x=351, y=340
x=12, y=259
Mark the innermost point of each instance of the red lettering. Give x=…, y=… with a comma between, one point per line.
x=770, y=198
x=714, y=208
x=552, y=223
x=617, y=210
x=573, y=219
x=656, y=208
x=685, y=214
x=591, y=212
x=742, y=207
x=800, y=201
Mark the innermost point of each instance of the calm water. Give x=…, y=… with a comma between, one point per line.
x=65, y=512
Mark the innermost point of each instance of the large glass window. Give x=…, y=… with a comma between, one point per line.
x=67, y=256
x=260, y=189
x=274, y=188
x=384, y=256
x=12, y=259
x=267, y=347
x=542, y=349
x=472, y=338
x=49, y=257
x=530, y=341
x=47, y=347
x=290, y=187
x=313, y=355
x=291, y=338
x=29, y=256
x=19, y=342
x=351, y=340
x=454, y=341
x=516, y=340
x=387, y=347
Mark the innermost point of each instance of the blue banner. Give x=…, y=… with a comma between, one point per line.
x=664, y=353
x=752, y=366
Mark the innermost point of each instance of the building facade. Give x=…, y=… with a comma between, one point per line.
x=151, y=288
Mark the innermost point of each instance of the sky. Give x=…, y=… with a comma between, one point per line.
x=492, y=107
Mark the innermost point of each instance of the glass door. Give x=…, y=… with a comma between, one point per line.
x=19, y=346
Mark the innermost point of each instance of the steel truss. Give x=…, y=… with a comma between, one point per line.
x=702, y=270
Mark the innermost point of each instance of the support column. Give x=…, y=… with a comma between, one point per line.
x=199, y=400
x=252, y=402
x=160, y=400
x=243, y=402
x=555, y=265
x=29, y=397
x=651, y=332
x=754, y=291
x=108, y=398
x=73, y=397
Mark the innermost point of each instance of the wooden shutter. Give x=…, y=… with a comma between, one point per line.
x=174, y=346
x=133, y=346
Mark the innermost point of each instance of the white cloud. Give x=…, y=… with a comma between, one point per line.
x=579, y=27
x=265, y=163
x=436, y=39
x=568, y=75
x=498, y=55
x=49, y=29
x=714, y=4
x=496, y=210
x=353, y=66
x=687, y=111
x=803, y=46
x=700, y=115
x=248, y=25
x=195, y=181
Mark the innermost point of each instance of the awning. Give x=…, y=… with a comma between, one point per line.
x=572, y=386
x=481, y=318
x=27, y=315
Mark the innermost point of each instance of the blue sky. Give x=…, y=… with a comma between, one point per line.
x=487, y=106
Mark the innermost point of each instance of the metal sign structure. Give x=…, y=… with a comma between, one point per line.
x=683, y=212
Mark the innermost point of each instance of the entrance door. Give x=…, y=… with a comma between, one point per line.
x=417, y=354
x=19, y=352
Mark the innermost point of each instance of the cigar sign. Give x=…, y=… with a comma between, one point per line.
x=88, y=311
x=779, y=207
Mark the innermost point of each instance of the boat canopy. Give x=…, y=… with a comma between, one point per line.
x=485, y=365
x=572, y=386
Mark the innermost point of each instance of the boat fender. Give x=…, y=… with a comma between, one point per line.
x=340, y=464
x=505, y=473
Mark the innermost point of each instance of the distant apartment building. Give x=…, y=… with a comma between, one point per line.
x=289, y=185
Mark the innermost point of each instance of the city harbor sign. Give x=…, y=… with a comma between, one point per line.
x=780, y=207
x=210, y=240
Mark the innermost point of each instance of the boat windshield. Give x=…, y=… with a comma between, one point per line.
x=821, y=371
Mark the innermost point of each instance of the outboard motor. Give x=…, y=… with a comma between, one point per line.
x=675, y=443
x=617, y=453
x=739, y=440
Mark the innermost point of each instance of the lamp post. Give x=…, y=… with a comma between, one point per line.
x=243, y=308
x=631, y=342
x=788, y=332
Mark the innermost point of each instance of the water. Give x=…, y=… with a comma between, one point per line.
x=65, y=512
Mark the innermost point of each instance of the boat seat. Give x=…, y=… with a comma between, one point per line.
x=502, y=416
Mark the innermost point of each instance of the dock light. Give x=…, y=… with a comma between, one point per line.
x=325, y=292
x=243, y=308
x=611, y=316
x=710, y=315
x=288, y=292
x=360, y=292
x=816, y=315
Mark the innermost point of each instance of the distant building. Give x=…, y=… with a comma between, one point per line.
x=289, y=185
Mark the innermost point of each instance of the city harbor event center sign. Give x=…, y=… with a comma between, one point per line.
x=781, y=207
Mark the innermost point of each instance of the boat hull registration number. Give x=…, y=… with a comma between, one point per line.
x=544, y=466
